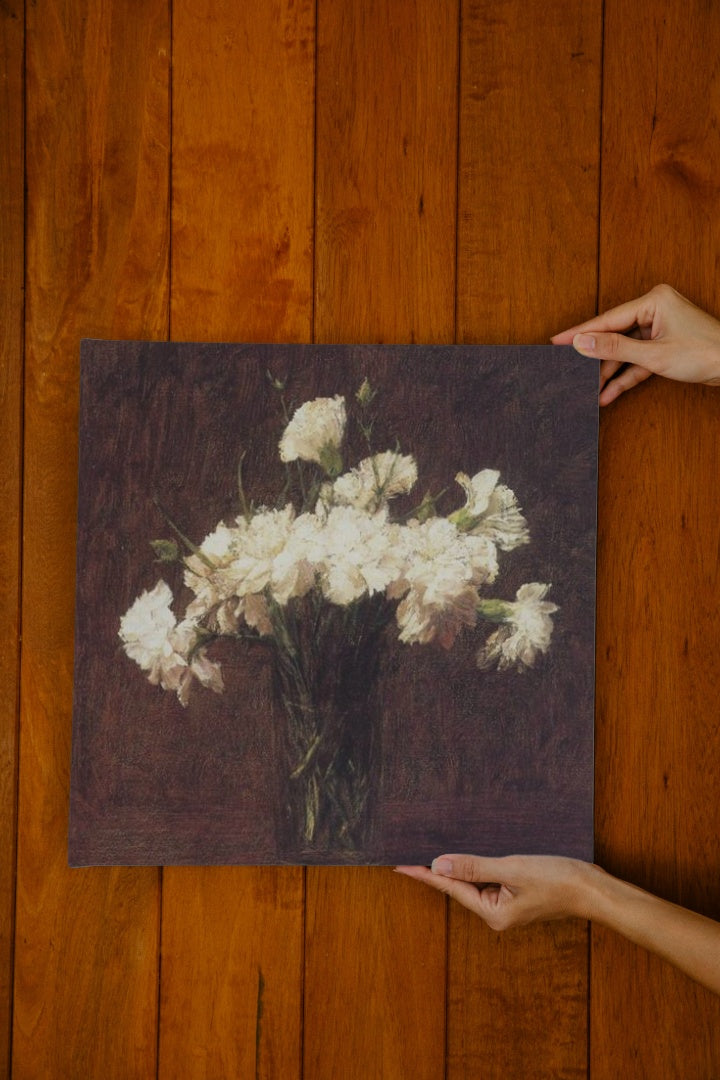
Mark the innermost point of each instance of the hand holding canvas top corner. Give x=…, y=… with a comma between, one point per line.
x=660, y=333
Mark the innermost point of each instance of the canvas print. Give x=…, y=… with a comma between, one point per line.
x=335, y=603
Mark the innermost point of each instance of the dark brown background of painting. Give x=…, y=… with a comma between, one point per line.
x=358, y=170
x=495, y=762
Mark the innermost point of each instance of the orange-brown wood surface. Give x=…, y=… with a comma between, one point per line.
x=86, y=941
x=657, y=732
x=369, y=170
x=12, y=18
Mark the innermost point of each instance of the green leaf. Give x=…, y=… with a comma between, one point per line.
x=165, y=550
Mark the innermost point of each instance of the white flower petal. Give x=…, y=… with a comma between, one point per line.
x=314, y=427
x=478, y=489
x=146, y=625
x=491, y=510
x=526, y=633
x=256, y=614
x=423, y=622
x=357, y=553
x=163, y=647
x=371, y=483
x=442, y=570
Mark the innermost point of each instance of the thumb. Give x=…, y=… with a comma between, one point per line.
x=620, y=349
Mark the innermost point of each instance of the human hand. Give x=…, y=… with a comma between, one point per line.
x=667, y=336
x=522, y=889
x=515, y=890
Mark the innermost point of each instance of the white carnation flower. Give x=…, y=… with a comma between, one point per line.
x=442, y=570
x=315, y=433
x=421, y=622
x=218, y=546
x=271, y=552
x=358, y=554
x=146, y=626
x=209, y=576
x=491, y=510
x=436, y=551
x=205, y=573
x=371, y=483
x=164, y=648
x=525, y=631
x=189, y=663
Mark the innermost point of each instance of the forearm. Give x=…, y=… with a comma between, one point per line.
x=685, y=939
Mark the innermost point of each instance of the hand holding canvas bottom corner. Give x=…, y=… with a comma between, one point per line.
x=521, y=889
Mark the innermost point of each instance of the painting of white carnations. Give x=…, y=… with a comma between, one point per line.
x=351, y=552
x=335, y=603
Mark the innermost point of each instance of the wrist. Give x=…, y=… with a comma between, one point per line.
x=594, y=892
x=611, y=901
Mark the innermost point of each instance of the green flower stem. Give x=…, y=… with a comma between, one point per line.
x=241, y=490
x=185, y=540
x=427, y=508
x=301, y=479
x=312, y=749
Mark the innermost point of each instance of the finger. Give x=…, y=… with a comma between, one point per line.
x=608, y=368
x=474, y=868
x=630, y=377
x=620, y=349
x=421, y=873
x=462, y=891
x=640, y=311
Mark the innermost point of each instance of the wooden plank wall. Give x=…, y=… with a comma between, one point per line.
x=372, y=170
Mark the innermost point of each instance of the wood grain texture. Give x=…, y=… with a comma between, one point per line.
x=384, y=271
x=242, y=242
x=12, y=224
x=386, y=172
x=657, y=788
x=659, y=677
x=375, y=976
x=97, y=230
x=528, y=168
x=243, y=144
x=658, y=753
x=231, y=971
x=527, y=242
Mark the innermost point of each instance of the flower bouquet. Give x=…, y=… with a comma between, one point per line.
x=320, y=577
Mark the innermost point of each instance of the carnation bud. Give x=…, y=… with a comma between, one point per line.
x=277, y=384
x=426, y=509
x=497, y=611
x=365, y=394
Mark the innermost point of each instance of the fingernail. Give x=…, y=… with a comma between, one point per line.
x=584, y=341
x=442, y=866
